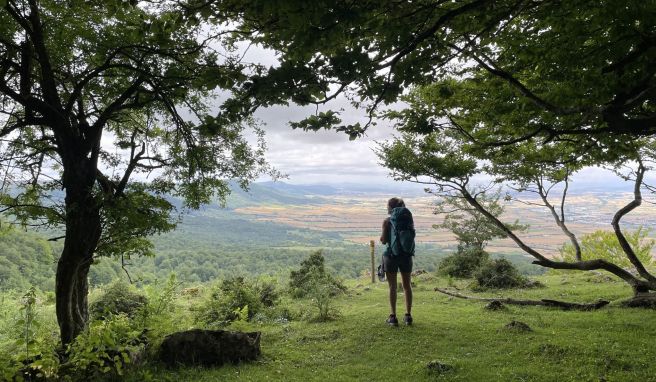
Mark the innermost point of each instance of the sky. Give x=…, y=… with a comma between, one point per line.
x=328, y=157
x=323, y=157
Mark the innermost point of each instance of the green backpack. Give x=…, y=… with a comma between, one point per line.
x=402, y=232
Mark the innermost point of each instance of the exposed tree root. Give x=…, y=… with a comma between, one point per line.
x=544, y=302
x=647, y=300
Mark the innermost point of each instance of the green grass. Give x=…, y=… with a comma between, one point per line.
x=613, y=344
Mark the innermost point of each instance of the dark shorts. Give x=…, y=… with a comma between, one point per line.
x=397, y=263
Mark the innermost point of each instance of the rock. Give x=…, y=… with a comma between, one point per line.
x=418, y=272
x=647, y=301
x=495, y=305
x=518, y=326
x=209, y=347
x=438, y=367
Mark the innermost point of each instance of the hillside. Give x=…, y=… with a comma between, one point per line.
x=358, y=346
x=611, y=344
x=272, y=227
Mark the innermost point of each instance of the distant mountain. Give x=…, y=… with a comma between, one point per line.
x=301, y=189
x=399, y=189
x=264, y=193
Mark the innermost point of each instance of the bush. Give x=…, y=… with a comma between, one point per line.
x=236, y=299
x=463, y=264
x=267, y=291
x=604, y=245
x=118, y=298
x=313, y=268
x=105, y=348
x=321, y=290
x=499, y=273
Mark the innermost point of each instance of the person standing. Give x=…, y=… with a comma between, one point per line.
x=398, y=234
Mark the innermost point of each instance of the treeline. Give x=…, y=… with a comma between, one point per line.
x=211, y=245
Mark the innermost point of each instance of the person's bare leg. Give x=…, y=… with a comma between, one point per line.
x=407, y=290
x=391, y=280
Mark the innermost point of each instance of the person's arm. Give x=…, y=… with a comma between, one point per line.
x=384, y=237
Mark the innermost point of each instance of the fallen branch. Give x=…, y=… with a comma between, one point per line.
x=544, y=302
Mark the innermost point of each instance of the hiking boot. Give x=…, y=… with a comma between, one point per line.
x=407, y=319
x=392, y=321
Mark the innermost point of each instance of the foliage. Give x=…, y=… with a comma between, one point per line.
x=499, y=72
x=463, y=263
x=321, y=290
x=499, y=274
x=248, y=248
x=117, y=298
x=105, y=348
x=311, y=271
x=26, y=258
x=236, y=299
x=141, y=74
x=602, y=244
x=28, y=322
x=303, y=351
x=472, y=229
x=30, y=352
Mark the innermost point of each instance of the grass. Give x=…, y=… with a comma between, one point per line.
x=613, y=344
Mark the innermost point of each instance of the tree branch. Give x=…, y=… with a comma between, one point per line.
x=637, y=200
x=544, y=302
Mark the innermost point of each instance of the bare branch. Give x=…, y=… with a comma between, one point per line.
x=637, y=200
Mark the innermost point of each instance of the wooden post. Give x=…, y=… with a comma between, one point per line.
x=373, y=265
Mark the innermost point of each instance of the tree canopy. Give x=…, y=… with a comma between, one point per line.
x=502, y=72
x=112, y=102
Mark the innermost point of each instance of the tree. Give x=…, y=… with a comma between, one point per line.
x=536, y=90
x=472, y=229
x=579, y=71
x=449, y=165
x=109, y=101
x=604, y=244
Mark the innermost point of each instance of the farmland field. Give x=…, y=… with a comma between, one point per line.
x=358, y=218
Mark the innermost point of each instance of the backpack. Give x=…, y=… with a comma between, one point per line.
x=402, y=232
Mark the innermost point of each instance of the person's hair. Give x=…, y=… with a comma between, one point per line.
x=393, y=203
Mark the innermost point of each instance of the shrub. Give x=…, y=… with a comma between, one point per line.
x=312, y=269
x=105, y=348
x=463, y=264
x=499, y=273
x=237, y=299
x=117, y=298
x=604, y=245
x=321, y=290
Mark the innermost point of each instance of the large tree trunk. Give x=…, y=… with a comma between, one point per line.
x=83, y=231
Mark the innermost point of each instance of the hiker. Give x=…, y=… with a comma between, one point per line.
x=398, y=234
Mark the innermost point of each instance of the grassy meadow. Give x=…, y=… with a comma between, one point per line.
x=611, y=344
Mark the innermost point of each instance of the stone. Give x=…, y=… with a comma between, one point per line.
x=495, y=305
x=438, y=367
x=518, y=326
x=209, y=347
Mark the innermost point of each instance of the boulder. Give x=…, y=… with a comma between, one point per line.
x=518, y=326
x=209, y=347
x=495, y=305
x=437, y=367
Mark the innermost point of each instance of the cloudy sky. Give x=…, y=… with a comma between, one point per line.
x=328, y=157
x=323, y=156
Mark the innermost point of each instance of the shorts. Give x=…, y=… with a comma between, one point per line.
x=397, y=263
